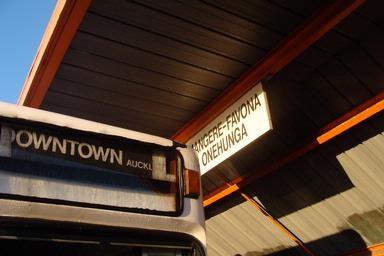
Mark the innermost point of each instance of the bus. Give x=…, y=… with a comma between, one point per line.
x=70, y=186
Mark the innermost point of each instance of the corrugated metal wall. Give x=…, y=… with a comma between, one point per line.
x=332, y=199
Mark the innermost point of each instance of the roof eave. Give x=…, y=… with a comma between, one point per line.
x=62, y=27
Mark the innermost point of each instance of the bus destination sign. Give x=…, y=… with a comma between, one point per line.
x=94, y=165
x=16, y=139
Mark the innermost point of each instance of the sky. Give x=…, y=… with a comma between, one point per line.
x=22, y=25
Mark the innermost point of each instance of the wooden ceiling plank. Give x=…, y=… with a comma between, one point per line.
x=285, y=52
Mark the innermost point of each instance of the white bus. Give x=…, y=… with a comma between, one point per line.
x=69, y=186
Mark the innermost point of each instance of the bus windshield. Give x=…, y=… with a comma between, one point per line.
x=88, y=240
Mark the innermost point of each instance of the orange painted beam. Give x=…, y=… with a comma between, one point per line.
x=211, y=198
x=353, y=117
x=278, y=224
x=292, y=46
x=373, y=250
x=338, y=126
x=61, y=28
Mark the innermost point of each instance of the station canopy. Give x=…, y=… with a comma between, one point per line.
x=313, y=185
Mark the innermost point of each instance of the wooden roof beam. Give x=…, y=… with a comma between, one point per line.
x=304, y=36
x=58, y=35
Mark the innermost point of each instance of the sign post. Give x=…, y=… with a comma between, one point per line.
x=240, y=124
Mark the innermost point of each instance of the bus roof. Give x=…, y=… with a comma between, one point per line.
x=42, y=116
